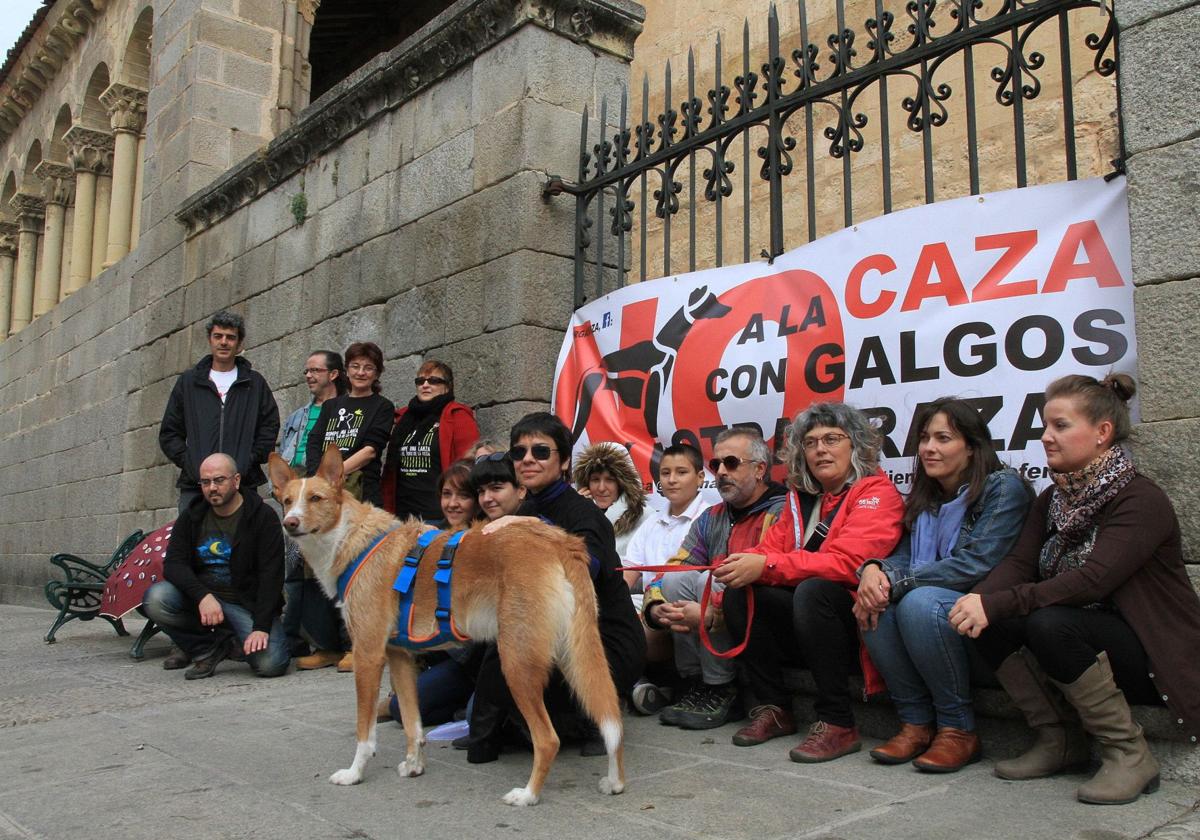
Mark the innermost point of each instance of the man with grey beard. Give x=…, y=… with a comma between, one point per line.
x=750, y=504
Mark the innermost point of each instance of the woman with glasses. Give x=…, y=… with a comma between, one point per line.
x=358, y=423
x=842, y=510
x=431, y=433
x=963, y=514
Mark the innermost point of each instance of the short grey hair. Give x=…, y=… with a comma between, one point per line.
x=864, y=441
x=759, y=450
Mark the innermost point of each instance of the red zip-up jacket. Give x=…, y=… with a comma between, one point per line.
x=457, y=432
x=867, y=527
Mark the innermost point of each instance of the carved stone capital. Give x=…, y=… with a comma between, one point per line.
x=58, y=181
x=8, y=245
x=126, y=107
x=308, y=10
x=30, y=210
x=89, y=150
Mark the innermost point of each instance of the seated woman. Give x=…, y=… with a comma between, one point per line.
x=841, y=511
x=963, y=514
x=1094, y=595
x=540, y=450
x=431, y=433
x=605, y=473
x=446, y=682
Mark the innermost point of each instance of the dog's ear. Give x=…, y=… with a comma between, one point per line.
x=280, y=474
x=331, y=466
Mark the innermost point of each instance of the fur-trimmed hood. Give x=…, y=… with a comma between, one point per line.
x=615, y=459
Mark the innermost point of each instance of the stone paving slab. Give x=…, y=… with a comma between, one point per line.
x=95, y=745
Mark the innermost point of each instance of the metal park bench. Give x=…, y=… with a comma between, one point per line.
x=79, y=595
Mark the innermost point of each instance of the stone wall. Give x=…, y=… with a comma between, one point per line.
x=421, y=226
x=1162, y=139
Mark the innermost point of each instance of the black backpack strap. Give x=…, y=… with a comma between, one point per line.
x=822, y=530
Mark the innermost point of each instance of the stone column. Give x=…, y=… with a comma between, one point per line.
x=30, y=213
x=57, y=183
x=127, y=109
x=136, y=227
x=91, y=153
x=8, y=261
x=100, y=220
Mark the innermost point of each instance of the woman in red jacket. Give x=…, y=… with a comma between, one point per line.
x=1095, y=596
x=841, y=512
x=431, y=433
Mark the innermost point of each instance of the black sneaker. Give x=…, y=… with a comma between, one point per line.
x=648, y=698
x=671, y=715
x=203, y=668
x=712, y=708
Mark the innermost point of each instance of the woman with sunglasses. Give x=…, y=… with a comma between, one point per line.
x=842, y=511
x=963, y=514
x=431, y=433
x=540, y=451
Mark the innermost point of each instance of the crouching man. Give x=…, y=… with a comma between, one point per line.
x=223, y=592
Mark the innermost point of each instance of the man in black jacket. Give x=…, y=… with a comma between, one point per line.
x=223, y=591
x=220, y=405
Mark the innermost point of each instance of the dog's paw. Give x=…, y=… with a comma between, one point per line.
x=609, y=787
x=520, y=797
x=349, y=776
x=411, y=767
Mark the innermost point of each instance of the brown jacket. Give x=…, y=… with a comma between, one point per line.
x=1137, y=561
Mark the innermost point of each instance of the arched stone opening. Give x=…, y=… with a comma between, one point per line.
x=348, y=33
x=135, y=63
x=92, y=112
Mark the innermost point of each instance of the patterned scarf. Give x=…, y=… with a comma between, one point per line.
x=1077, y=498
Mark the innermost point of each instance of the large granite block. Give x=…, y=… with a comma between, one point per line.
x=1168, y=335
x=1156, y=113
x=1166, y=452
x=1163, y=186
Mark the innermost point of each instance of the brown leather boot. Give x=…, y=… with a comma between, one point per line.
x=952, y=749
x=825, y=742
x=766, y=722
x=912, y=740
x=1061, y=744
x=1127, y=769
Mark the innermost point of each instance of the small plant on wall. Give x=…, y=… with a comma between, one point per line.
x=299, y=207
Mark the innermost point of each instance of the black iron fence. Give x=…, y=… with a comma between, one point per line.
x=911, y=67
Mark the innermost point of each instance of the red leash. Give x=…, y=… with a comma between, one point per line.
x=727, y=654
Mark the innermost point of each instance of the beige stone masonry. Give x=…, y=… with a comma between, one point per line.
x=57, y=187
x=30, y=210
x=91, y=153
x=127, y=110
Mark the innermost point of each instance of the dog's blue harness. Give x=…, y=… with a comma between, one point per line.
x=347, y=576
x=446, y=631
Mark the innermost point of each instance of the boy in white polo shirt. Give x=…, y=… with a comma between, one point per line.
x=680, y=474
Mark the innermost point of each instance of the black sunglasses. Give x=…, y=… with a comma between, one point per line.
x=541, y=452
x=731, y=463
x=432, y=380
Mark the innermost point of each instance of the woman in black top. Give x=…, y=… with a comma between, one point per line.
x=358, y=423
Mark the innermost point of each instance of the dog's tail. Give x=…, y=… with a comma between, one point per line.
x=583, y=663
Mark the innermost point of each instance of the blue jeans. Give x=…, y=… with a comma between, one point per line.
x=179, y=618
x=923, y=660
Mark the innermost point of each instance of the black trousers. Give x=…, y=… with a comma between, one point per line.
x=810, y=625
x=1066, y=642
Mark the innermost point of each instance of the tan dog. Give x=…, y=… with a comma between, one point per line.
x=526, y=587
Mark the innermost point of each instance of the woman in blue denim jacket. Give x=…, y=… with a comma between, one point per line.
x=963, y=514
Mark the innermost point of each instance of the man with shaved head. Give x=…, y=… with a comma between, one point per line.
x=223, y=591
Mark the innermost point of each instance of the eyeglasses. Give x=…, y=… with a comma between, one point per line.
x=730, y=462
x=494, y=457
x=830, y=440
x=432, y=380
x=215, y=481
x=362, y=368
x=315, y=371
x=541, y=452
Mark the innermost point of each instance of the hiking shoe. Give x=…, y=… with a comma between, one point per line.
x=176, y=659
x=320, y=659
x=670, y=715
x=648, y=698
x=712, y=708
x=825, y=742
x=346, y=663
x=766, y=722
x=204, y=668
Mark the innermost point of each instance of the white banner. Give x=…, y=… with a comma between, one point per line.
x=987, y=298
